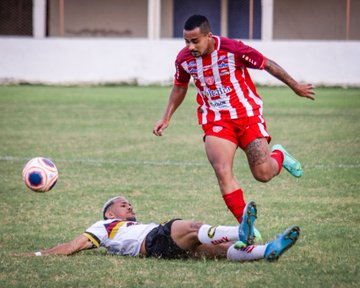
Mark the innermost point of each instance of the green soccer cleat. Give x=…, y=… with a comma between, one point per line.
x=257, y=241
x=290, y=163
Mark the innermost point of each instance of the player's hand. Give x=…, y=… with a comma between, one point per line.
x=159, y=127
x=305, y=90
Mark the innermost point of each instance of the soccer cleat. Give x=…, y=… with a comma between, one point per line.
x=257, y=241
x=278, y=246
x=246, y=227
x=290, y=163
x=239, y=245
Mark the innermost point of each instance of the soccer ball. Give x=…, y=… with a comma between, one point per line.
x=40, y=174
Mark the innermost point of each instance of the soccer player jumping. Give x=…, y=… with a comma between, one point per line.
x=230, y=109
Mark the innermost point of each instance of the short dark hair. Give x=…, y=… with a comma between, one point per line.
x=108, y=204
x=196, y=21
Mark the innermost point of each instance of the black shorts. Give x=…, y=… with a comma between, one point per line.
x=158, y=243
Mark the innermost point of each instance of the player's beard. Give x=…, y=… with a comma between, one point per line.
x=208, y=50
x=196, y=54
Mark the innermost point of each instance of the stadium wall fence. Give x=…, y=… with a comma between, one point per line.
x=74, y=61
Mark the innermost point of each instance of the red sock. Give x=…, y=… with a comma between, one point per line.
x=236, y=203
x=279, y=158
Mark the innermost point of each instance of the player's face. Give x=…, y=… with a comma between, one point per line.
x=198, y=43
x=121, y=208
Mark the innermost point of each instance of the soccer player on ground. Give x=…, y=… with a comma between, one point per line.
x=121, y=234
x=230, y=109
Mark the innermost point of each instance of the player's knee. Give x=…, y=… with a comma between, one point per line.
x=222, y=170
x=262, y=175
x=195, y=226
x=193, y=231
x=262, y=179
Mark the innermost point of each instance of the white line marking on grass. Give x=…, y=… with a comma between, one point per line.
x=331, y=166
x=117, y=162
x=99, y=162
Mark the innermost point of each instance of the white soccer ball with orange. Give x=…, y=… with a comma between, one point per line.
x=40, y=174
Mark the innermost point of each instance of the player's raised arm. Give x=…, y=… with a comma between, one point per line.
x=79, y=243
x=177, y=96
x=303, y=90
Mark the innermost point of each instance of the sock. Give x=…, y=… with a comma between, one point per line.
x=236, y=203
x=279, y=158
x=249, y=253
x=215, y=235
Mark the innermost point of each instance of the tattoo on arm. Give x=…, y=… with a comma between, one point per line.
x=278, y=72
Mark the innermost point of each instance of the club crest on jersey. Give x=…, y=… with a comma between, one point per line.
x=210, y=80
x=217, y=129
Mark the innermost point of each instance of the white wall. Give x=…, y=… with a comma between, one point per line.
x=82, y=61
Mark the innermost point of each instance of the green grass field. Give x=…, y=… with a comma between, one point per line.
x=101, y=141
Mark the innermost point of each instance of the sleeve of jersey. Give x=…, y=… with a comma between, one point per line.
x=250, y=56
x=95, y=233
x=181, y=77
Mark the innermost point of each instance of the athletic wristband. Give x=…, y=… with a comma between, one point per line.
x=38, y=253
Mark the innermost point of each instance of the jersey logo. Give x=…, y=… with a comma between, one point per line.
x=221, y=91
x=223, y=65
x=193, y=71
x=217, y=129
x=192, y=64
x=248, y=59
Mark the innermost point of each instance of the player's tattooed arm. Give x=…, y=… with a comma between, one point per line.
x=303, y=90
x=277, y=71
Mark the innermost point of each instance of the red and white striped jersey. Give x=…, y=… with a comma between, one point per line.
x=224, y=87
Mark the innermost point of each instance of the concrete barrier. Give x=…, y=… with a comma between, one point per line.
x=68, y=61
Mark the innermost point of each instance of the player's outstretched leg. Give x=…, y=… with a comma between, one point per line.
x=282, y=243
x=246, y=227
x=290, y=163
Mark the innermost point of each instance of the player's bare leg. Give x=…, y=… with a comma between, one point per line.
x=262, y=165
x=211, y=251
x=185, y=234
x=190, y=235
x=221, y=153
